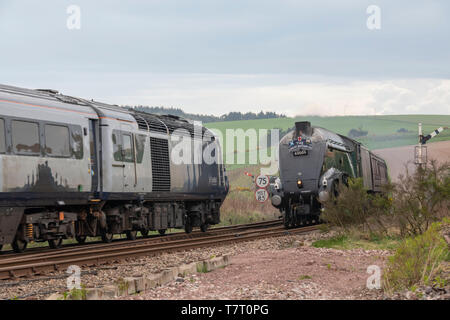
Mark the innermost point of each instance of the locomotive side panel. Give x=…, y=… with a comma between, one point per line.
x=183, y=171
x=127, y=165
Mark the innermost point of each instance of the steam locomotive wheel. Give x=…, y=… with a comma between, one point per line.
x=144, y=233
x=80, y=239
x=131, y=235
x=286, y=222
x=55, y=243
x=19, y=245
x=188, y=227
x=107, y=237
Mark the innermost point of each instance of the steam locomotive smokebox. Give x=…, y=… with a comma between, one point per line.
x=304, y=128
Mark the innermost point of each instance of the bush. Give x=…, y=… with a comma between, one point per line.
x=421, y=198
x=355, y=207
x=418, y=260
x=356, y=133
x=409, y=206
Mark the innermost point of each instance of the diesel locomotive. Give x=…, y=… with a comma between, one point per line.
x=313, y=162
x=73, y=168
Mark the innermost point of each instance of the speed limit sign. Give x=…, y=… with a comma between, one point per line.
x=261, y=195
x=262, y=181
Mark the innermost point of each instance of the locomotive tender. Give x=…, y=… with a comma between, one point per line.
x=313, y=163
x=76, y=168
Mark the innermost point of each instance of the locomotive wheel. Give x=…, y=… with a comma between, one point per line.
x=107, y=237
x=287, y=221
x=55, y=244
x=162, y=231
x=131, y=235
x=1, y=246
x=19, y=245
x=204, y=227
x=144, y=233
x=188, y=227
x=80, y=239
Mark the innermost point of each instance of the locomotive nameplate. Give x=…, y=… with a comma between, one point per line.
x=300, y=152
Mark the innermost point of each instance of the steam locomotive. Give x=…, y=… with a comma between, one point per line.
x=313, y=163
x=70, y=167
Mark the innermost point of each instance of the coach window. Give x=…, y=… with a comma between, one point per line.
x=127, y=148
x=25, y=137
x=57, y=141
x=2, y=136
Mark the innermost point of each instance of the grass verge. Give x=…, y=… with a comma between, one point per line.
x=345, y=242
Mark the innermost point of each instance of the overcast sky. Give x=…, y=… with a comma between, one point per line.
x=211, y=56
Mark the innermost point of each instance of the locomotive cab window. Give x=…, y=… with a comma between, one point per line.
x=57, y=142
x=25, y=137
x=117, y=146
x=127, y=148
x=2, y=136
x=123, y=149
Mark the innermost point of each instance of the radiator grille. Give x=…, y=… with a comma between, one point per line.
x=160, y=164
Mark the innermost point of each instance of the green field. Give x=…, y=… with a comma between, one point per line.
x=382, y=130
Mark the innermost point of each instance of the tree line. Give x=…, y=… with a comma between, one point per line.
x=230, y=116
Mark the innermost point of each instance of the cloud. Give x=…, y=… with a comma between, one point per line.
x=293, y=95
x=249, y=36
x=289, y=56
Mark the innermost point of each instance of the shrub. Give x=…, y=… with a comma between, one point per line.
x=355, y=207
x=421, y=198
x=418, y=260
x=356, y=133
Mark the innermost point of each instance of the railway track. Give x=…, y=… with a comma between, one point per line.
x=42, y=262
x=124, y=241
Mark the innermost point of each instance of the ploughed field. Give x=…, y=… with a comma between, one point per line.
x=398, y=158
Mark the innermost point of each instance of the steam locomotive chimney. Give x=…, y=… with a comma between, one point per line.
x=304, y=128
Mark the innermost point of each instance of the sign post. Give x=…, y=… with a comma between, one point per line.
x=261, y=194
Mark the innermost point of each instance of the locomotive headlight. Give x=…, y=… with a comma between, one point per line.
x=299, y=183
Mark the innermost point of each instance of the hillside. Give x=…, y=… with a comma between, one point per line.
x=382, y=131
